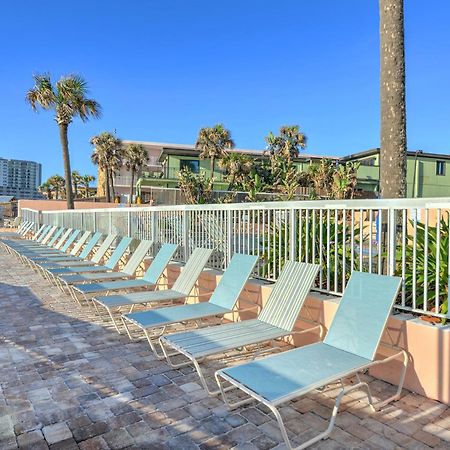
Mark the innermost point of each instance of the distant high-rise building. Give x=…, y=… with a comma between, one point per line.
x=20, y=178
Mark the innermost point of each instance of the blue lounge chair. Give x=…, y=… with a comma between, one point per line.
x=276, y=321
x=349, y=347
x=180, y=290
x=154, y=322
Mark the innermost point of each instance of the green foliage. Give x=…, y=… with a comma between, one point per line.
x=213, y=143
x=307, y=245
x=429, y=267
x=197, y=189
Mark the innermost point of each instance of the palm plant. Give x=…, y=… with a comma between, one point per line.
x=107, y=155
x=196, y=189
x=58, y=183
x=345, y=180
x=47, y=189
x=287, y=144
x=237, y=167
x=213, y=143
x=86, y=181
x=135, y=157
x=76, y=180
x=68, y=99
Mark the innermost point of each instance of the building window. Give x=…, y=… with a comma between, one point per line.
x=440, y=167
x=192, y=164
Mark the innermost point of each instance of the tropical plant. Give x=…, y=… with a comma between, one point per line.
x=59, y=184
x=237, y=168
x=76, y=180
x=107, y=155
x=135, y=157
x=345, y=180
x=46, y=188
x=309, y=248
x=86, y=181
x=213, y=143
x=196, y=189
x=68, y=98
x=393, y=103
x=287, y=144
x=321, y=175
x=415, y=252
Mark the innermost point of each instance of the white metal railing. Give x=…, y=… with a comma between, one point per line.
x=408, y=238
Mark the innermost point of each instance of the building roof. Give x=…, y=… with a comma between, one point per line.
x=6, y=198
x=413, y=153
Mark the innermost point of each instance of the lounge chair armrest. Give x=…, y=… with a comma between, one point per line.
x=308, y=330
x=249, y=308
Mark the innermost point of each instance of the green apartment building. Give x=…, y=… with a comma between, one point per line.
x=428, y=174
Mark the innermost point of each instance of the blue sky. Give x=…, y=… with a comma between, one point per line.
x=163, y=69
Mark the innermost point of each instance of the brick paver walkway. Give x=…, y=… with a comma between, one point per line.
x=69, y=381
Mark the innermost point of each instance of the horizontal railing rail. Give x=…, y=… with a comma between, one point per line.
x=404, y=237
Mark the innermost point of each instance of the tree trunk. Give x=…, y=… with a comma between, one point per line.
x=66, y=159
x=75, y=190
x=393, y=102
x=131, y=186
x=86, y=190
x=112, y=190
x=107, y=191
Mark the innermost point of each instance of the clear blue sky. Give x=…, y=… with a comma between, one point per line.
x=163, y=69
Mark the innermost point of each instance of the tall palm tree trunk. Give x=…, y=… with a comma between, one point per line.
x=393, y=102
x=66, y=159
x=132, y=186
x=107, y=184
x=112, y=190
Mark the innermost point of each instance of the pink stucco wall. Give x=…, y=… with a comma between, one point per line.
x=55, y=205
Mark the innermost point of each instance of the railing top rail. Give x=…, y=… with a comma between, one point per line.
x=424, y=203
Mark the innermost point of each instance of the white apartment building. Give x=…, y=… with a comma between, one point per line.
x=20, y=178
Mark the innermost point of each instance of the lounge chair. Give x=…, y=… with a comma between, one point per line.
x=276, y=321
x=154, y=322
x=92, y=266
x=89, y=287
x=180, y=290
x=120, y=281
x=13, y=245
x=349, y=347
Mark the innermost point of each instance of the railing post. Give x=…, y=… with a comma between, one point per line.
x=153, y=226
x=185, y=237
x=94, y=221
x=292, y=235
x=392, y=229
x=110, y=221
x=229, y=241
x=129, y=223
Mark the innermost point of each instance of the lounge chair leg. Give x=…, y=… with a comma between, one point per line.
x=125, y=325
x=113, y=320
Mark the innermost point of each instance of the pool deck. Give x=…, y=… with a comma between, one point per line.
x=68, y=381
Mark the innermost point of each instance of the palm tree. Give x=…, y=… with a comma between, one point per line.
x=47, y=189
x=107, y=155
x=85, y=181
x=213, y=143
x=237, y=167
x=76, y=179
x=135, y=157
x=288, y=144
x=393, y=103
x=68, y=98
x=58, y=183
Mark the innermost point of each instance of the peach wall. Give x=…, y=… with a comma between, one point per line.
x=56, y=205
x=428, y=345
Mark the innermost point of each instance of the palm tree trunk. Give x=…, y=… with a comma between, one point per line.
x=86, y=190
x=107, y=184
x=66, y=159
x=75, y=190
x=111, y=179
x=393, y=103
x=131, y=186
